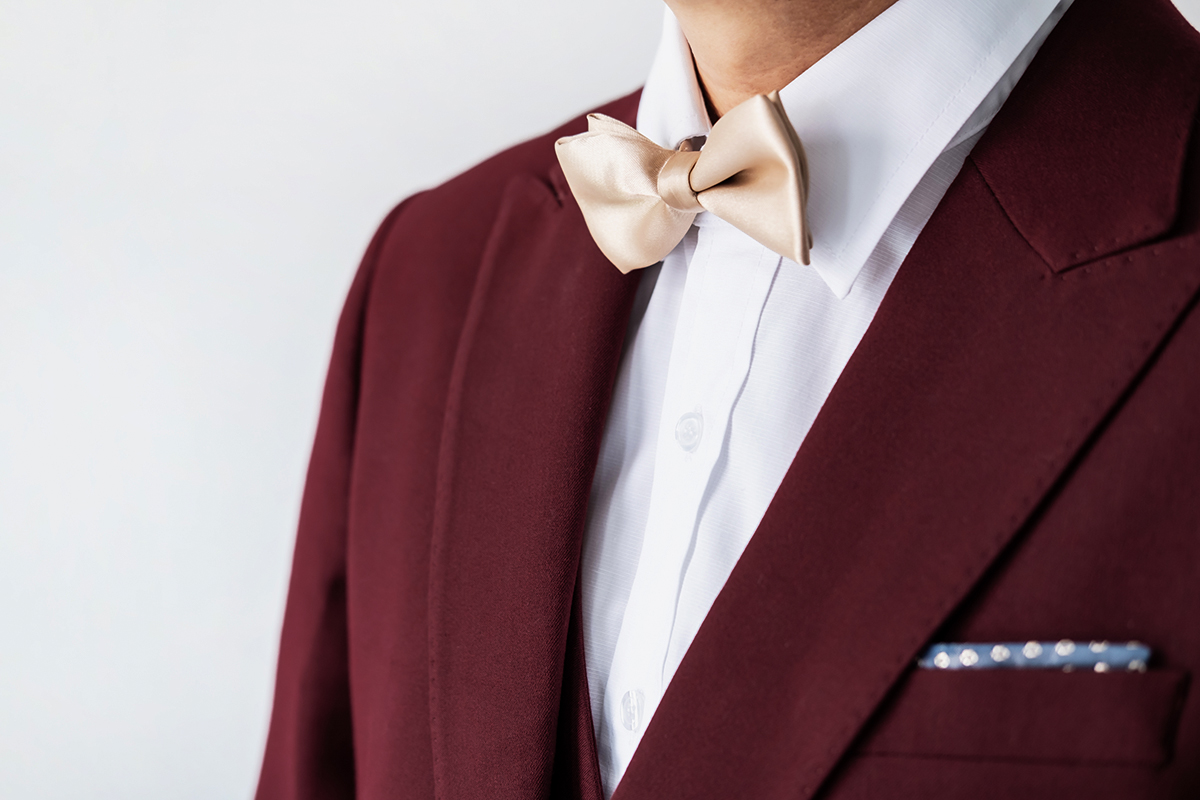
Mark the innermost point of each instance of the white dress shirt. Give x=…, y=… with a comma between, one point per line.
x=733, y=349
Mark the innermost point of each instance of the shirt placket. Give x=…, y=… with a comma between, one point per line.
x=726, y=287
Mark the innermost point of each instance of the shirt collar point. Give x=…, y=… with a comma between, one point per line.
x=838, y=276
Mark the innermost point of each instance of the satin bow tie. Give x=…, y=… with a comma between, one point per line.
x=639, y=199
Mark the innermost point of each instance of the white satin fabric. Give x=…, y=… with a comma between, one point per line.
x=733, y=349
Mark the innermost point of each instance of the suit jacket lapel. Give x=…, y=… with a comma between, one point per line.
x=576, y=764
x=528, y=398
x=990, y=364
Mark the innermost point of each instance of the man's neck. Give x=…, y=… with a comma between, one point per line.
x=748, y=47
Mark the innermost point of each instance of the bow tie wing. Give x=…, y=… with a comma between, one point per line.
x=752, y=173
x=613, y=173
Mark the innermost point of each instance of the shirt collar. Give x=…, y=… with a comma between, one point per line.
x=876, y=112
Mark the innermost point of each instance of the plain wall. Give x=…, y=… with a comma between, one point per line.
x=185, y=191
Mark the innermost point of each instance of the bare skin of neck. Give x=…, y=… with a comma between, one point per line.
x=748, y=47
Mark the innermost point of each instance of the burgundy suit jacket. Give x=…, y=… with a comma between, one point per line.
x=1012, y=453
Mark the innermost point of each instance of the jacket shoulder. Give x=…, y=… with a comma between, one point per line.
x=534, y=156
x=420, y=270
x=448, y=225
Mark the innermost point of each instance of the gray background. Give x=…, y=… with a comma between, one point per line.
x=185, y=191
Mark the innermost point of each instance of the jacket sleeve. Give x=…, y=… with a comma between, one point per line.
x=309, y=751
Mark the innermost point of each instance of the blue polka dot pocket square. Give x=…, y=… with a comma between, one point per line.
x=1065, y=655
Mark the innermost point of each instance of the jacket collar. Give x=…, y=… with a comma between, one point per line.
x=528, y=397
x=1089, y=158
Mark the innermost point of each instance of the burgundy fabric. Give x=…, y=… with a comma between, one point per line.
x=1119, y=188
x=532, y=376
x=1012, y=453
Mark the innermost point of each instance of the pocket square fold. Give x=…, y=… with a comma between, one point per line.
x=1064, y=654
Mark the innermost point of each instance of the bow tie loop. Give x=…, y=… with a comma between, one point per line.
x=639, y=199
x=675, y=181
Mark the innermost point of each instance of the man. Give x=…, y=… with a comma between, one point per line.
x=691, y=531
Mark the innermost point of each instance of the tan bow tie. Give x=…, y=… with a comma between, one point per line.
x=639, y=199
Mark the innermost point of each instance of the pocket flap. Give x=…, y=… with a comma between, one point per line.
x=1038, y=715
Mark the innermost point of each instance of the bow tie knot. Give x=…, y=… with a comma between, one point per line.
x=675, y=181
x=639, y=199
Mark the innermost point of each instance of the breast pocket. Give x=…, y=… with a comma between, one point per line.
x=1033, y=715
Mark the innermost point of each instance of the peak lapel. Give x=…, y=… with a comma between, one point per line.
x=984, y=375
x=1088, y=158
x=528, y=397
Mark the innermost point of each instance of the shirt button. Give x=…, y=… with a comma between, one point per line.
x=688, y=430
x=633, y=706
